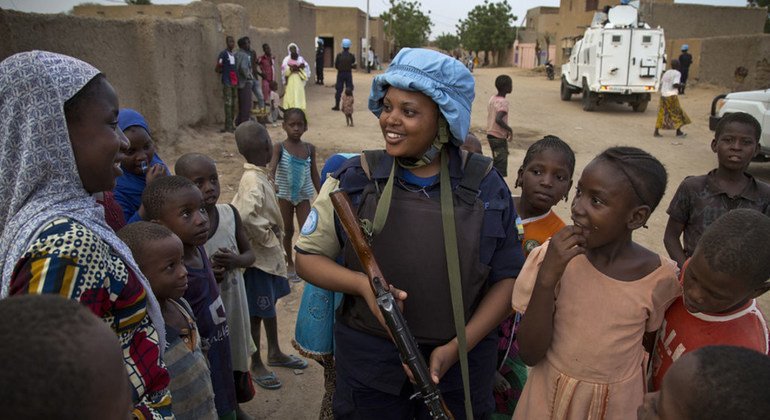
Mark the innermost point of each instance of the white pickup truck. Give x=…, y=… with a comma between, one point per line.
x=756, y=103
x=619, y=59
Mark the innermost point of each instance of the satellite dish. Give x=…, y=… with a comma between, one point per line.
x=622, y=16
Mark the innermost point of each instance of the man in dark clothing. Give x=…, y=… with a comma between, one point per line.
x=344, y=63
x=319, y=62
x=226, y=67
x=685, y=59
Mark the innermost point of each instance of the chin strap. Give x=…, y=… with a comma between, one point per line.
x=383, y=205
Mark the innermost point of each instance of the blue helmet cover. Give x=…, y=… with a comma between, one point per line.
x=440, y=77
x=346, y=43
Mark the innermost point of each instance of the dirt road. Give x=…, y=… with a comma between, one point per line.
x=535, y=110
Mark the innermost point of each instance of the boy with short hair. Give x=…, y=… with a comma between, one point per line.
x=700, y=200
x=498, y=131
x=265, y=279
x=176, y=203
x=160, y=255
x=59, y=360
x=717, y=382
x=727, y=271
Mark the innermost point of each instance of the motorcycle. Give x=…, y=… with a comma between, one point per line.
x=549, y=70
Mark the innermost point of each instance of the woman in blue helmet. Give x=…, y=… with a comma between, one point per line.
x=423, y=102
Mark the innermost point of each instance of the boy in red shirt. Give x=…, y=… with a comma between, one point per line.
x=728, y=270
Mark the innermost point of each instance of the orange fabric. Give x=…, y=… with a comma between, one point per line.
x=539, y=229
x=598, y=326
x=683, y=332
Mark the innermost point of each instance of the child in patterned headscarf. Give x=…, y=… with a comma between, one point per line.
x=59, y=146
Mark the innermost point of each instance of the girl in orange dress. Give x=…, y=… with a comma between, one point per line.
x=545, y=177
x=591, y=294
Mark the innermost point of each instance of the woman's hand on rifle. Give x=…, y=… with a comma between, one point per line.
x=366, y=292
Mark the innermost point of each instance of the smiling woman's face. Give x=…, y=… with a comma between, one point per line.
x=409, y=122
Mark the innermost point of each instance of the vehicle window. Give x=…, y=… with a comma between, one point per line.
x=616, y=39
x=646, y=39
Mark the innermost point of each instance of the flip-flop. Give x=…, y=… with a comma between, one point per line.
x=293, y=363
x=269, y=381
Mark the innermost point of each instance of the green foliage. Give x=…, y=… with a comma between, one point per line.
x=488, y=27
x=406, y=24
x=139, y=2
x=447, y=42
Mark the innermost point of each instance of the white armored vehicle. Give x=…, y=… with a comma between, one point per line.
x=619, y=59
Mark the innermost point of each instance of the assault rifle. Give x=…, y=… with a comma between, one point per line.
x=399, y=331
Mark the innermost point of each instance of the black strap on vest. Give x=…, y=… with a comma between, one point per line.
x=477, y=166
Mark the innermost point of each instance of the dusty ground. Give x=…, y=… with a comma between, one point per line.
x=536, y=110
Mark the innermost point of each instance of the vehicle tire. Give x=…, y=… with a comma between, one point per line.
x=640, y=106
x=566, y=92
x=589, y=99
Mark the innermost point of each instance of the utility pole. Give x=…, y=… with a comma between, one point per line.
x=368, y=47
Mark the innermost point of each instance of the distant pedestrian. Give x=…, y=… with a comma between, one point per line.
x=245, y=80
x=685, y=60
x=670, y=113
x=266, y=64
x=295, y=72
x=319, y=62
x=499, y=133
x=344, y=63
x=256, y=86
x=226, y=66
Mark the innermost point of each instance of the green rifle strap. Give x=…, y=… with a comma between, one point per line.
x=383, y=205
x=455, y=281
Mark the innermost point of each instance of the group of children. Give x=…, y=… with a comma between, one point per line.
x=217, y=270
x=240, y=72
x=600, y=319
x=625, y=300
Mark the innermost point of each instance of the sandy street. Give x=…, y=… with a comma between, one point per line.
x=536, y=110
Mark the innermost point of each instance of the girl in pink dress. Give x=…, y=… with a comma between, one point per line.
x=591, y=294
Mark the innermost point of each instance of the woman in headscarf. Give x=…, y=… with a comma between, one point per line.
x=418, y=191
x=295, y=71
x=59, y=145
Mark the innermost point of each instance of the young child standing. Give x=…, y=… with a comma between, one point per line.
x=589, y=295
x=347, y=106
x=498, y=131
x=160, y=255
x=721, y=281
x=276, y=111
x=715, y=382
x=230, y=252
x=700, y=200
x=293, y=166
x=176, y=203
x=545, y=177
x=266, y=278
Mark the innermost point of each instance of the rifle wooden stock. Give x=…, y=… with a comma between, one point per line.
x=394, y=319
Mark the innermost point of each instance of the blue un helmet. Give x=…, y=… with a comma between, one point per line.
x=346, y=43
x=440, y=77
x=685, y=47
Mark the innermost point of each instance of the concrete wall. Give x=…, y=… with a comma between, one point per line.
x=342, y=22
x=127, y=12
x=702, y=21
x=715, y=60
x=279, y=22
x=162, y=67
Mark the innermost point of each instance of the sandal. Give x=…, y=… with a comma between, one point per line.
x=294, y=362
x=269, y=381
